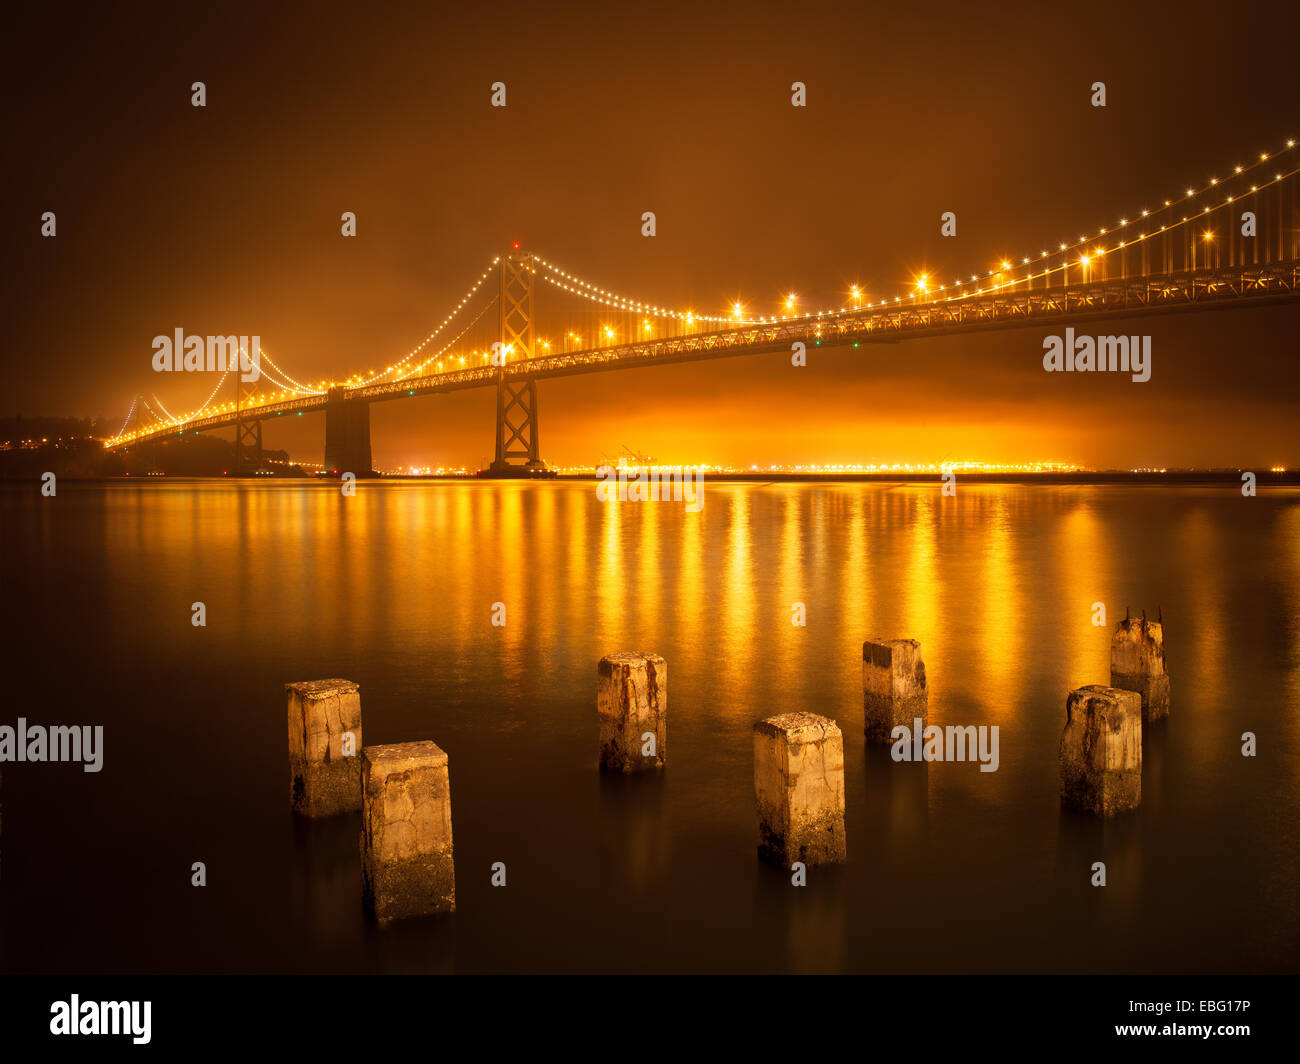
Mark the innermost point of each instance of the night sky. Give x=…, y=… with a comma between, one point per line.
x=226, y=218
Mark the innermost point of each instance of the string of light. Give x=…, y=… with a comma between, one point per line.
x=1067, y=250
x=284, y=383
x=129, y=414
x=215, y=388
x=170, y=416
x=595, y=293
x=445, y=321
x=288, y=381
x=452, y=342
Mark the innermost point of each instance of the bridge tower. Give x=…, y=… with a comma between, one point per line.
x=517, y=444
x=248, y=431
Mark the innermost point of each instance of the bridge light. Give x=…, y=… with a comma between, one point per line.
x=736, y=309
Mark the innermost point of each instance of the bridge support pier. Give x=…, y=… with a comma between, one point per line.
x=248, y=446
x=347, y=435
x=517, y=431
x=248, y=432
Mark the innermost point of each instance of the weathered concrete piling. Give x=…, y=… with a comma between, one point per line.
x=407, y=867
x=1137, y=663
x=324, y=741
x=1101, y=750
x=799, y=788
x=893, y=686
x=632, y=702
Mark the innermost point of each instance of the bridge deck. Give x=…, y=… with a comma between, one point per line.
x=1206, y=289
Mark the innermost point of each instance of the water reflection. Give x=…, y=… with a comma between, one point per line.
x=394, y=589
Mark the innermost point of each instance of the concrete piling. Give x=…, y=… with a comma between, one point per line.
x=799, y=789
x=407, y=865
x=632, y=703
x=893, y=686
x=1101, y=750
x=324, y=741
x=1137, y=663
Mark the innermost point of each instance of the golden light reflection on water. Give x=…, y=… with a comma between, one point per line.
x=1197, y=540
x=1003, y=630
x=546, y=577
x=738, y=593
x=1083, y=575
x=507, y=535
x=791, y=564
x=855, y=595
x=692, y=590
x=920, y=591
x=394, y=586
x=611, y=583
x=459, y=514
x=650, y=575
x=577, y=553
x=992, y=583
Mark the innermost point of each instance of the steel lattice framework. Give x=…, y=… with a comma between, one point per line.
x=517, y=434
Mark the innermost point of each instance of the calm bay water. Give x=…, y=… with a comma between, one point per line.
x=950, y=869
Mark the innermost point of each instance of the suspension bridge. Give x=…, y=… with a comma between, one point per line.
x=1231, y=241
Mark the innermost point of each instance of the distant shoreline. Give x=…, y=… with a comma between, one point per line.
x=1171, y=478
